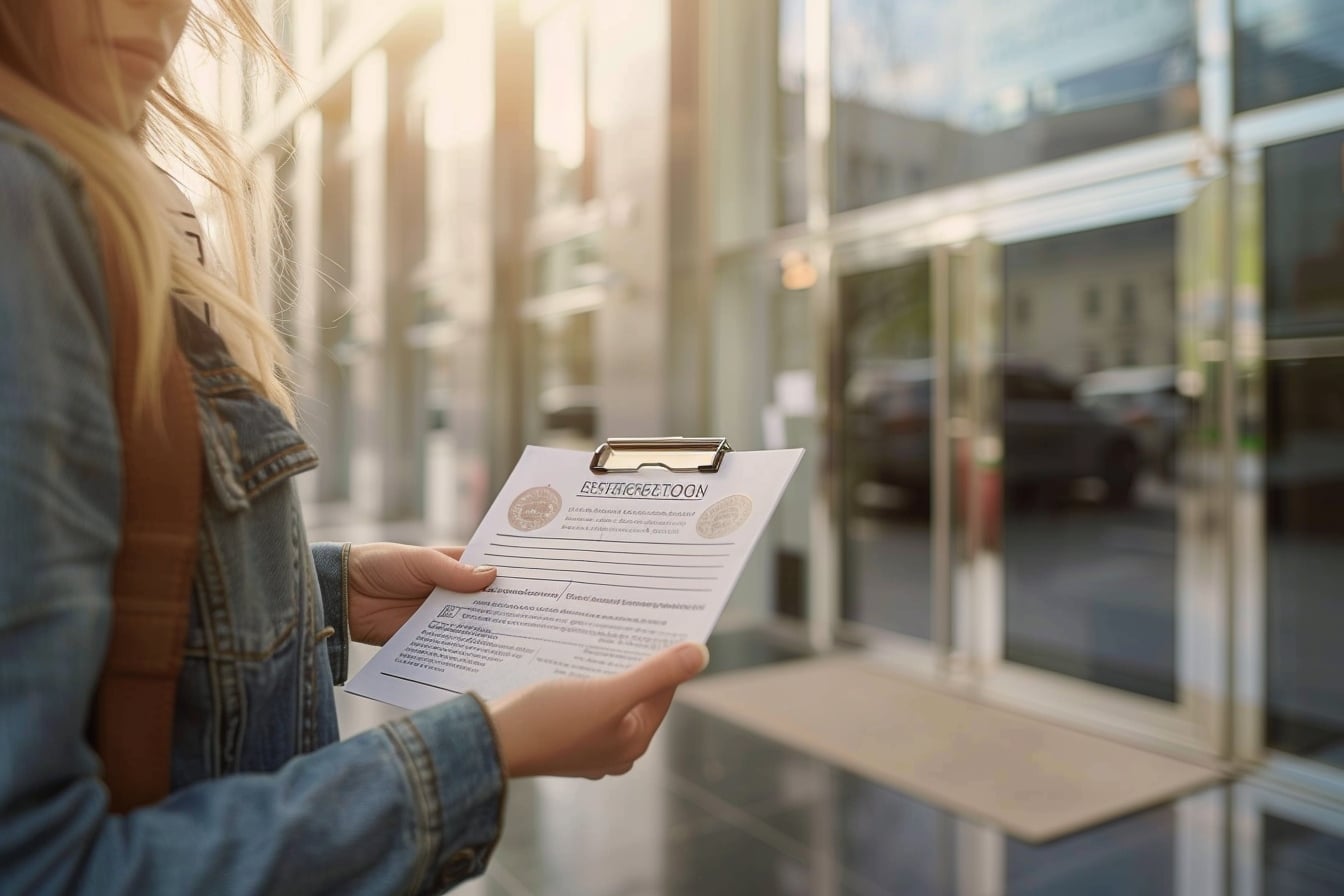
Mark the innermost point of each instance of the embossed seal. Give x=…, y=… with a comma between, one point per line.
x=534, y=508
x=723, y=517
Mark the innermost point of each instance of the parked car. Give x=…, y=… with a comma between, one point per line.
x=1147, y=402
x=1050, y=439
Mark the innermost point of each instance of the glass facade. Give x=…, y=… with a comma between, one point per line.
x=923, y=99
x=1286, y=49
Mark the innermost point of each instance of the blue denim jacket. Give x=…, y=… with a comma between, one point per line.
x=264, y=799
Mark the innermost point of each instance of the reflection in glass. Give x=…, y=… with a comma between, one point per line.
x=929, y=93
x=1300, y=860
x=1092, y=424
x=791, y=172
x=1287, y=49
x=1304, y=510
x=1135, y=854
x=887, y=450
x=794, y=386
x=1304, y=237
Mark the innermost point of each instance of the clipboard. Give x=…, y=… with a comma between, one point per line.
x=678, y=454
x=581, y=590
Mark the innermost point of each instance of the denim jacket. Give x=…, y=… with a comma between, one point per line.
x=264, y=799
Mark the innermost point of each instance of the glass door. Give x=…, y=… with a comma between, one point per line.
x=887, y=435
x=1100, y=452
x=893, y=392
x=1304, y=445
x=1092, y=421
x=1291, y=224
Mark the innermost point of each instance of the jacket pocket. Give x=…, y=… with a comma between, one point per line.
x=252, y=581
x=249, y=444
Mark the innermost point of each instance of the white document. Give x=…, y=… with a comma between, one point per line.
x=596, y=572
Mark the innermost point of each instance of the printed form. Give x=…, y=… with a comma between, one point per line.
x=596, y=572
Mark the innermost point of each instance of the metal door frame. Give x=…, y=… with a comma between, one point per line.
x=963, y=227
x=1195, y=723
x=1252, y=134
x=876, y=250
x=1251, y=801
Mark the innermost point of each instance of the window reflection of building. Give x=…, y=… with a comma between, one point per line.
x=1304, y=233
x=1287, y=49
x=1319, y=279
x=1133, y=262
x=922, y=100
x=1091, y=432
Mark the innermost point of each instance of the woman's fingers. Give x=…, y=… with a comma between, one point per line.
x=657, y=674
x=438, y=567
x=592, y=727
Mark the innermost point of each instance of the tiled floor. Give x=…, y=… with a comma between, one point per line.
x=714, y=810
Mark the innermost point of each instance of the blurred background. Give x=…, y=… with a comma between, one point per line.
x=1052, y=292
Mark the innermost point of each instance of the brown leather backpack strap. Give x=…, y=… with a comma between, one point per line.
x=152, y=580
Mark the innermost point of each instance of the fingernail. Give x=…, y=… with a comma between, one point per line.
x=485, y=569
x=696, y=657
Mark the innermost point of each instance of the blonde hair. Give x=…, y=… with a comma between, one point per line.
x=144, y=260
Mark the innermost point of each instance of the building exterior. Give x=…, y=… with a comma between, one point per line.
x=1052, y=292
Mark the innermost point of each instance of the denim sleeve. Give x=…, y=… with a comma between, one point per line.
x=332, y=561
x=409, y=808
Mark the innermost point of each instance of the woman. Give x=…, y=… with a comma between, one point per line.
x=262, y=799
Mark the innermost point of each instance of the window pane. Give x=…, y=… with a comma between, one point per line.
x=888, y=459
x=1092, y=425
x=1304, y=517
x=1134, y=854
x=1287, y=49
x=1304, y=237
x=929, y=93
x=1301, y=860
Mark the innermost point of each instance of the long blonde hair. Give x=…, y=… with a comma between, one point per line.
x=143, y=258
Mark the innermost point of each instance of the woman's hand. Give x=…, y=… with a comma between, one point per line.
x=591, y=727
x=389, y=582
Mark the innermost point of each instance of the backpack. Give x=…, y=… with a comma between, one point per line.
x=132, y=722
